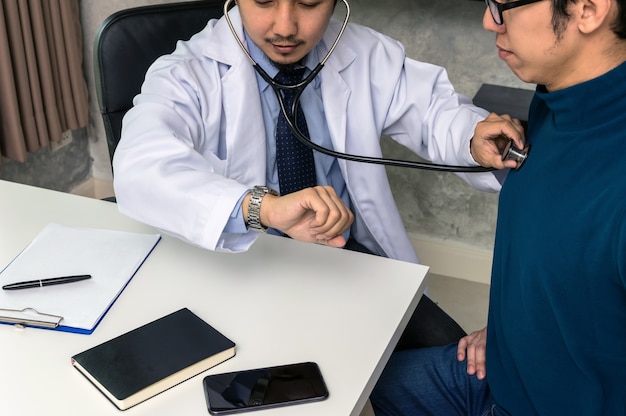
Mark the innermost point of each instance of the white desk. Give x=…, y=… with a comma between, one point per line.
x=281, y=302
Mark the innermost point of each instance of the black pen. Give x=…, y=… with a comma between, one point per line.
x=46, y=282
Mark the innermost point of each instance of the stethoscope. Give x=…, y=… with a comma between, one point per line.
x=510, y=151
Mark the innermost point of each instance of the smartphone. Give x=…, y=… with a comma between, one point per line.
x=264, y=388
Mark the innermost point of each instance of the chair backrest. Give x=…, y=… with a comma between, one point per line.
x=129, y=41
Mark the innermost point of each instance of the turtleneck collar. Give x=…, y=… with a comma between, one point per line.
x=579, y=105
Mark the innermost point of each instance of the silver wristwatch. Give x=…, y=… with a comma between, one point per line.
x=254, y=207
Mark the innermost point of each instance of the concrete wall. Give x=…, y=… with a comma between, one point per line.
x=442, y=213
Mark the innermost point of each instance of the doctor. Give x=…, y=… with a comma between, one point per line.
x=198, y=154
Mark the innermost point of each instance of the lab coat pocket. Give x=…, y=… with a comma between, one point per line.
x=217, y=165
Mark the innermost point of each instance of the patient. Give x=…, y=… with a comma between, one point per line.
x=555, y=343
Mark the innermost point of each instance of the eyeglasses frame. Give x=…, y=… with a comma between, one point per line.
x=501, y=7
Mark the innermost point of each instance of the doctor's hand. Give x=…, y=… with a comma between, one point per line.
x=312, y=215
x=473, y=347
x=490, y=138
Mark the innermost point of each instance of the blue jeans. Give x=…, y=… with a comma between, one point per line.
x=431, y=381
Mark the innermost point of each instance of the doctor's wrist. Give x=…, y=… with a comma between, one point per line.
x=252, y=202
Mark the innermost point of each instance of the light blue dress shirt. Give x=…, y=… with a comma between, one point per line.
x=327, y=169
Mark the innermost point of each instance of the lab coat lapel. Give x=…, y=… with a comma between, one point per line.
x=335, y=90
x=244, y=125
x=335, y=94
x=241, y=103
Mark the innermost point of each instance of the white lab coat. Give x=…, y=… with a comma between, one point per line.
x=195, y=140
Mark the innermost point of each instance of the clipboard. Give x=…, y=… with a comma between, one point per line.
x=111, y=257
x=29, y=317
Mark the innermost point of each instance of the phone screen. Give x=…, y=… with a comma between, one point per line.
x=264, y=388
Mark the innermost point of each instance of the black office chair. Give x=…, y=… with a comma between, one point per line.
x=129, y=41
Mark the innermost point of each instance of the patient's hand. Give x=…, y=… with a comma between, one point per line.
x=473, y=347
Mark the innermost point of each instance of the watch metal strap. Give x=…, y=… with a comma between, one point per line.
x=254, y=207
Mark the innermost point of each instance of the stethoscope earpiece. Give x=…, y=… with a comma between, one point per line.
x=512, y=152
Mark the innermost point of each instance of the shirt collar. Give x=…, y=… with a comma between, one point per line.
x=310, y=61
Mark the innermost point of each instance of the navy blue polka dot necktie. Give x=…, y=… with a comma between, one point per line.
x=296, y=167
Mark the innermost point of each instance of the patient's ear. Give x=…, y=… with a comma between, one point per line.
x=590, y=15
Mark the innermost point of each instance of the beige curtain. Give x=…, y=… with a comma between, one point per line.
x=42, y=86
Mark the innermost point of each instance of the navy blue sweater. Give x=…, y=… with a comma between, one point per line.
x=557, y=318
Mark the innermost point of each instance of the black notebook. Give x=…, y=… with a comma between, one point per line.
x=146, y=361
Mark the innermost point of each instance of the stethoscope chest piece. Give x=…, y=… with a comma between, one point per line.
x=512, y=152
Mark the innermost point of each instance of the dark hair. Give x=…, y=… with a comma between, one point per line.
x=560, y=15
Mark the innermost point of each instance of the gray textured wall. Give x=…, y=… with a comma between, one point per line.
x=446, y=32
x=449, y=33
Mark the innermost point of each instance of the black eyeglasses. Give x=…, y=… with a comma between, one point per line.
x=496, y=8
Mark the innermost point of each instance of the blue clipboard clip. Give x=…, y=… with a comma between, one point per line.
x=29, y=317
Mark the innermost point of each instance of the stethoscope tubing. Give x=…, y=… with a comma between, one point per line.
x=291, y=115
